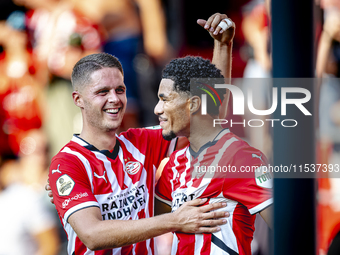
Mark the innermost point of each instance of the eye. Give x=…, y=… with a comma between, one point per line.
x=103, y=92
x=120, y=90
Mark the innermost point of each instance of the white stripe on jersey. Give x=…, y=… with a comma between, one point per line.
x=223, y=132
x=117, y=251
x=132, y=149
x=175, y=172
x=172, y=147
x=71, y=236
x=77, y=140
x=84, y=161
x=198, y=243
x=174, y=244
x=226, y=234
x=110, y=173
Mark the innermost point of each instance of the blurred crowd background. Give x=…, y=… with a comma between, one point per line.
x=41, y=40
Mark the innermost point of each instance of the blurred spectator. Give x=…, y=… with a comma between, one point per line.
x=20, y=92
x=27, y=226
x=257, y=78
x=255, y=28
x=60, y=35
x=328, y=68
x=136, y=35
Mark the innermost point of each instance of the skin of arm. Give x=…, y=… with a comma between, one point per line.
x=153, y=25
x=222, y=55
x=97, y=234
x=266, y=214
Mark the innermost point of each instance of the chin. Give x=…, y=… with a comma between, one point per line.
x=169, y=136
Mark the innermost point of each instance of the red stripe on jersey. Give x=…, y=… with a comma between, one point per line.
x=186, y=243
x=152, y=245
x=243, y=229
x=141, y=214
x=80, y=248
x=127, y=249
x=141, y=247
x=206, y=244
x=101, y=185
x=103, y=252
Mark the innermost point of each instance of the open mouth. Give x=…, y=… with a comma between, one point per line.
x=161, y=121
x=112, y=111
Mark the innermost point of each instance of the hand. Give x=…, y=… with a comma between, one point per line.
x=212, y=25
x=48, y=189
x=192, y=217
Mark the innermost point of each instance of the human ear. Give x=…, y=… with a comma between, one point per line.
x=77, y=99
x=195, y=103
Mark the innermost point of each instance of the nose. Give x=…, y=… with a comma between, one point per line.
x=113, y=97
x=159, y=108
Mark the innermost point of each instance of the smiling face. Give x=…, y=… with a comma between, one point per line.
x=103, y=100
x=173, y=110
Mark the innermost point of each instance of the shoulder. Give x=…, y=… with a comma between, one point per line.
x=136, y=135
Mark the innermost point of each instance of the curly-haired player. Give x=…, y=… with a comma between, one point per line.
x=201, y=169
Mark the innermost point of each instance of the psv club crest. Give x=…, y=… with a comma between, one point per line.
x=133, y=167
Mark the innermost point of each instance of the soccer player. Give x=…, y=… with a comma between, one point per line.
x=103, y=184
x=186, y=177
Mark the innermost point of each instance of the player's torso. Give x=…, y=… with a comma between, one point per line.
x=190, y=182
x=124, y=185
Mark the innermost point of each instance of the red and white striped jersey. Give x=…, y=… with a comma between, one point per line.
x=218, y=172
x=119, y=182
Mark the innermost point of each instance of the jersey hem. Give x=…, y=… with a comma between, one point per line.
x=79, y=207
x=163, y=200
x=261, y=206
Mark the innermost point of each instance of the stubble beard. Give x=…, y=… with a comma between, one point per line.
x=169, y=136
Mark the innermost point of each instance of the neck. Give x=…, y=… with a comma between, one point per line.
x=202, y=131
x=101, y=140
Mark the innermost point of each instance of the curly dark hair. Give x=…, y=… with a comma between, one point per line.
x=188, y=74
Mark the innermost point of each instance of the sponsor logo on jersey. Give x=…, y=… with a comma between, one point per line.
x=263, y=177
x=257, y=156
x=179, y=199
x=76, y=197
x=132, y=167
x=65, y=185
x=100, y=176
x=56, y=170
x=125, y=205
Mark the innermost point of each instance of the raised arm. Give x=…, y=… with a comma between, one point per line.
x=223, y=36
x=222, y=30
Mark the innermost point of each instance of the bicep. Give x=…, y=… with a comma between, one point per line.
x=85, y=221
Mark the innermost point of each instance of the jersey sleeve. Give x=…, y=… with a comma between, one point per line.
x=164, y=188
x=71, y=187
x=151, y=141
x=254, y=189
